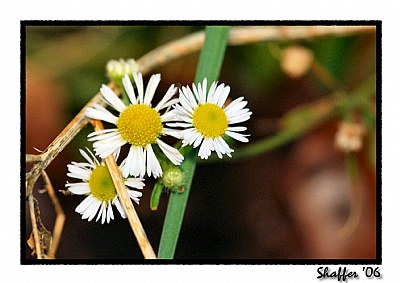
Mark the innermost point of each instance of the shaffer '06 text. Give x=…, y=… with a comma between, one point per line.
x=342, y=274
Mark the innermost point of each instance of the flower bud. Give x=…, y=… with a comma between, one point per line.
x=173, y=179
x=349, y=137
x=116, y=70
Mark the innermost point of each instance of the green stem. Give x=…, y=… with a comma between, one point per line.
x=209, y=67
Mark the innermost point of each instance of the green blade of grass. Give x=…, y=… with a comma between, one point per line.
x=209, y=67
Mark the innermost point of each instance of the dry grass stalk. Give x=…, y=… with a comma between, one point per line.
x=130, y=211
x=62, y=140
x=240, y=36
x=35, y=231
x=60, y=218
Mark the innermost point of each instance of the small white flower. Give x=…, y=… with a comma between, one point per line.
x=206, y=120
x=138, y=124
x=99, y=188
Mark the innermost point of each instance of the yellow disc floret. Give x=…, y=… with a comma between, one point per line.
x=101, y=184
x=210, y=120
x=140, y=125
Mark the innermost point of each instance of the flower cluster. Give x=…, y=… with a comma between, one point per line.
x=199, y=117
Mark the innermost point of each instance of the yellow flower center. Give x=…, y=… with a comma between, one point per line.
x=140, y=125
x=210, y=120
x=101, y=184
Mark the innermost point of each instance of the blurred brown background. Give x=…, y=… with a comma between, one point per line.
x=287, y=203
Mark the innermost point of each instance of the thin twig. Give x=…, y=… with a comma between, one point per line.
x=62, y=140
x=38, y=247
x=60, y=218
x=32, y=158
x=130, y=211
x=241, y=36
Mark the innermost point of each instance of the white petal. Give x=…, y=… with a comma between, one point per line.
x=239, y=119
x=151, y=88
x=168, y=95
x=234, y=102
x=101, y=132
x=186, y=104
x=138, y=168
x=202, y=89
x=204, y=151
x=135, y=195
x=237, y=129
x=127, y=165
x=212, y=97
x=92, y=209
x=190, y=97
x=96, y=206
x=83, y=165
x=236, y=136
x=100, y=212
x=237, y=113
x=177, y=124
x=173, y=133
x=135, y=183
x=170, y=152
x=196, y=93
x=100, y=115
x=78, y=188
x=119, y=207
x=104, y=212
x=222, y=143
x=110, y=210
x=236, y=107
x=116, y=153
x=106, y=147
x=129, y=89
x=78, y=172
x=153, y=166
x=110, y=135
x=112, y=98
x=108, y=216
x=189, y=135
x=139, y=84
x=170, y=103
x=86, y=156
x=183, y=111
x=168, y=117
x=223, y=96
x=198, y=140
x=84, y=204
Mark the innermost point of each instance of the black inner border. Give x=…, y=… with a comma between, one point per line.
x=23, y=232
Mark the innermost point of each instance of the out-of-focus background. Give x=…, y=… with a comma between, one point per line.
x=291, y=202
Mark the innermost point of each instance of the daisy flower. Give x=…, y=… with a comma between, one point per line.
x=99, y=188
x=139, y=125
x=206, y=120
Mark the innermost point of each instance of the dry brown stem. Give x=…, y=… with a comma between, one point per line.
x=60, y=218
x=35, y=231
x=62, y=140
x=130, y=211
x=242, y=36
